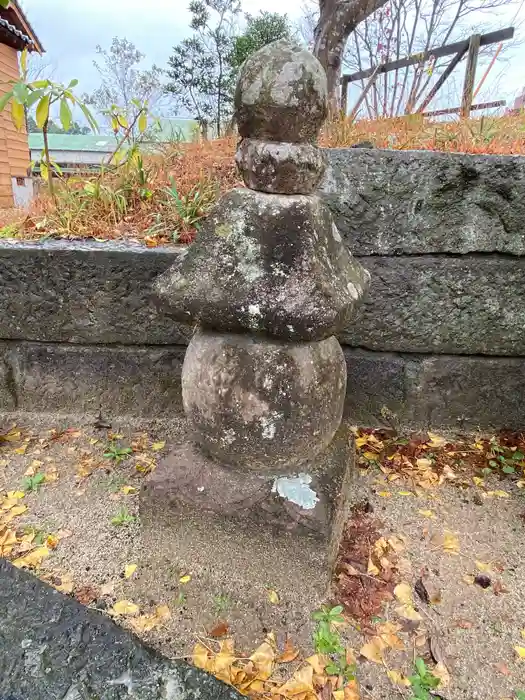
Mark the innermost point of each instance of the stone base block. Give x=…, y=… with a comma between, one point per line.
x=245, y=532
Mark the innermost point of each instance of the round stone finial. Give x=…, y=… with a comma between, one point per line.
x=281, y=94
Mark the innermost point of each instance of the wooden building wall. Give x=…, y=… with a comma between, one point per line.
x=14, y=149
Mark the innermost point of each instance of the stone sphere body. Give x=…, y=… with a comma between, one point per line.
x=281, y=94
x=260, y=404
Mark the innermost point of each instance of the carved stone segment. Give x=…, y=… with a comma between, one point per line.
x=261, y=405
x=281, y=94
x=269, y=264
x=280, y=168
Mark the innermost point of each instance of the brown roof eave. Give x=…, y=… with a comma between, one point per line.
x=18, y=17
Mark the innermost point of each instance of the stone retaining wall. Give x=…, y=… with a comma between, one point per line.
x=440, y=340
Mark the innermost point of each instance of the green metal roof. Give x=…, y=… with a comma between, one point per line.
x=71, y=142
x=165, y=131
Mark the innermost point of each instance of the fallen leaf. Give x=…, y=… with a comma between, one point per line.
x=478, y=481
x=221, y=629
x=318, y=662
x=498, y=493
x=33, y=559
x=201, y=656
x=468, y=578
x=52, y=541
x=436, y=440
x=185, y=579
x=384, y=494
x=424, y=463
x=146, y=623
x=300, y=682
x=448, y=541
x=498, y=588
x=126, y=490
x=125, y=607
x=129, y=570
x=290, y=653
x=403, y=593
x=18, y=510
x=502, y=668
x=373, y=650
x=440, y=671
x=483, y=566
x=427, y=513
x=520, y=651
x=273, y=597
x=405, y=493
x=86, y=594
x=107, y=589
x=158, y=445
x=398, y=678
x=263, y=658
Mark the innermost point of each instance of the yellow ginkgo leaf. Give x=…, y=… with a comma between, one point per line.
x=520, y=651
x=264, y=658
x=126, y=490
x=273, y=597
x=185, y=579
x=300, y=682
x=398, y=678
x=427, y=514
x=129, y=570
x=436, y=440
x=125, y=607
x=384, y=494
x=403, y=593
x=201, y=656
x=373, y=650
x=483, y=566
x=32, y=559
x=158, y=445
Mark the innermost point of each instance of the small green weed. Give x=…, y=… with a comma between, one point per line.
x=33, y=483
x=40, y=536
x=116, y=453
x=423, y=681
x=327, y=640
x=180, y=599
x=221, y=603
x=520, y=694
x=10, y=231
x=502, y=458
x=115, y=482
x=123, y=517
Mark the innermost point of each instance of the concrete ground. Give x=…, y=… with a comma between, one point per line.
x=445, y=534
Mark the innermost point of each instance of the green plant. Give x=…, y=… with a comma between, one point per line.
x=520, y=695
x=25, y=94
x=33, y=483
x=194, y=205
x=40, y=536
x=501, y=457
x=221, y=603
x=115, y=482
x=180, y=599
x=10, y=230
x=123, y=517
x=327, y=639
x=423, y=681
x=116, y=453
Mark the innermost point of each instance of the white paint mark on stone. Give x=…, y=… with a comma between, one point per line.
x=297, y=490
x=254, y=310
x=352, y=290
x=336, y=234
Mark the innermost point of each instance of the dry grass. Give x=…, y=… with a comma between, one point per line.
x=133, y=202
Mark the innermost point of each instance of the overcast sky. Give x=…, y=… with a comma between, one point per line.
x=70, y=31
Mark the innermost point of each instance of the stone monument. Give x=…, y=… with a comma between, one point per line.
x=267, y=284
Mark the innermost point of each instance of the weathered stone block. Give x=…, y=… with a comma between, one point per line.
x=388, y=202
x=74, y=292
x=216, y=520
x=7, y=380
x=281, y=94
x=446, y=305
x=80, y=379
x=471, y=392
x=53, y=647
x=261, y=404
x=280, y=168
x=274, y=264
x=377, y=388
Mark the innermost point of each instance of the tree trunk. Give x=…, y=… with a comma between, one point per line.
x=337, y=20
